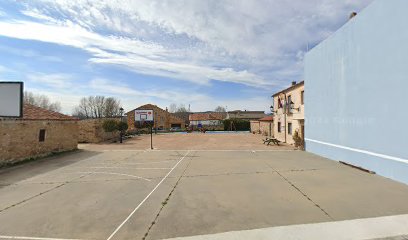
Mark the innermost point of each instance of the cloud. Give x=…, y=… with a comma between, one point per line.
x=257, y=43
x=3, y=69
x=137, y=55
x=55, y=81
x=250, y=42
x=29, y=54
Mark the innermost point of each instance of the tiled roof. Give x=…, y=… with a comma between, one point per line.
x=289, y=88
x=254, y=115
x=156, y=109
x=31, y=112
x=267, y=119
x=206, y=116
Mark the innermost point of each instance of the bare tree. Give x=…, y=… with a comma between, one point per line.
x=97, y=107
x=181, y=109
x=41, y=101
x=220, y=109
x=112, y=107
x=173, y=108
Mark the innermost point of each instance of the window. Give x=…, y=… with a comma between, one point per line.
x=288, y=105
x=290, y=128
x=302, y=95
x=41, y=137
x=279, y=126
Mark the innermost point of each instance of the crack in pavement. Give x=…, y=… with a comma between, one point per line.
x=41, y=193
x=164, y=203
x=49, y=190
x=301, y=192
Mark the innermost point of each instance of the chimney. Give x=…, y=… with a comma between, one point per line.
x=353, y=14
x=293, y=83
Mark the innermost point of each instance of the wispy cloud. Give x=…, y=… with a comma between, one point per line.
x=252, y=44
x=137, y=55
x=30, y=54
x=56, y=80
x=3, y=69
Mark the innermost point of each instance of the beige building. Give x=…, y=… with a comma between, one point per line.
x=263, y=126
x=39, y=133
x=289, y=112
x=163, y=119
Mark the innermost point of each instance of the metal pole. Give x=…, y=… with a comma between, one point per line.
x=151, y=137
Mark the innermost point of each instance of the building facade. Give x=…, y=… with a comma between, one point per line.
x=289, y=113
x=263, y=126
x=356, y=84
x=163, y=119
x=246, y=115
x=211, y=121
x=39, y=133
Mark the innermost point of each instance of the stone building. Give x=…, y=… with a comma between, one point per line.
x=91, y=131
x=263, y=126
x=246, y=115
x=163, y=119
x=39, y=133
x=289, y=112
x=210, y=120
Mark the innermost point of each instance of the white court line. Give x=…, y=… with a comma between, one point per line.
x=147, y=162
x=204, y=150
x=369, y=228
x=32, y=238
x=144, y=200
x=360, y=151
x=121, y=174
x=131, y=168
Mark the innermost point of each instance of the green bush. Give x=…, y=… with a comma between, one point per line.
x=234, y=124
x=110, y=125
x=113, y=125
x=122, y=126
x=299, y=141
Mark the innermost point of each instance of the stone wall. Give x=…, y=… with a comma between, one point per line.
x=262, y=127
x=91, y=131
x=254, y=126
x=19, y=139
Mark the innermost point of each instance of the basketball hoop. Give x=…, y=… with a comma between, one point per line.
x=146, y=117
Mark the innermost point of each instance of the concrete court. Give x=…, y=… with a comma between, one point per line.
x=131, y=194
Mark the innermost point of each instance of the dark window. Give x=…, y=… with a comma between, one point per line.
x=279, y=126
x=288, y=106
x=41, y=137
x=290, y=128
x=302, y=95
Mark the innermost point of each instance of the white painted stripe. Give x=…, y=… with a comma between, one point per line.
x=32, y=238
x=359, y=151
x=120, y=174
x=370, y=228
x=207, y=150
x=147, y=197
x=130, y=168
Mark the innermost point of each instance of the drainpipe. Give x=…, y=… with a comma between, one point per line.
x=285, y=114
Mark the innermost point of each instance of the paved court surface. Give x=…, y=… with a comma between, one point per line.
x=197, y=141
x=140, y=194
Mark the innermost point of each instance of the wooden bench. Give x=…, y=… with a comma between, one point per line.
x=271, y=140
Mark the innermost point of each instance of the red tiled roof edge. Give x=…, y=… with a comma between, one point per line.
x=31, y=112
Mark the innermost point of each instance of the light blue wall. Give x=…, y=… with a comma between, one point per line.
x=356, y=85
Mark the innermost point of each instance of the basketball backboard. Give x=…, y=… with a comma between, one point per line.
x=144, y=116
x=11, y=99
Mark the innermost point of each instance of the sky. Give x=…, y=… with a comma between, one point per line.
x=202, y=53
